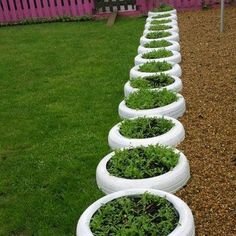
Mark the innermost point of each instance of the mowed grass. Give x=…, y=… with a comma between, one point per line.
x=60, y=86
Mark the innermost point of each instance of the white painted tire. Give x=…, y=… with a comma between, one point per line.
x=172, y=138
x=151, y=13
x=175, y=110
x=172, y=17
x=172, y=23
x=175, y=71
x=171, y=181
x=175, y=58
x=177, y=86
x=173, y=29
x=185, y=226
x=174, y=37
x=175, y=47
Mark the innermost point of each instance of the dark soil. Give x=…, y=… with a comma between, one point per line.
x=209, y=79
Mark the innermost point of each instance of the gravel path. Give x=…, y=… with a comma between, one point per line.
x=209, y=77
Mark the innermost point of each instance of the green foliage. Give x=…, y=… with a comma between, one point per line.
x=159, y=27
x=142, y=215
x=157, y=35
x=148, y=99
x=145, y=127
x=161, y=16
x=48, y=20
x=150, y=82
x=142, y=162
x=163, y=8
x=153, y=66
x=161, y=53
x=157, y=22
x=157, y=44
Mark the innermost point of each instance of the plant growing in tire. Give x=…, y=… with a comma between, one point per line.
x=155, y=67
x=156, y=167
x=137, y=212
x=155, y=82
x=158, y=44
x=162, y=9
x=150, y=102
x=144, y=131
x=158, y=55
x=158, y=35
x=172, y=28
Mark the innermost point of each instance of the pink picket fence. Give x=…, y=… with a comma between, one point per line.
x=18, y=10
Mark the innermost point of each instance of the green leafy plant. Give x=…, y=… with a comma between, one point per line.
x=145, y=214
x=159, y=27
x=142, y=162
x=163, y=8
x=157, y=35
x=153, y=66
x=161, y=53
x=157, y=44
x=161, y=16
x=157, y=22
x=151, y=82
x=145, y=127
x=148, y=99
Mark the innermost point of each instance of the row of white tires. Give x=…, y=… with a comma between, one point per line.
x=169, y=182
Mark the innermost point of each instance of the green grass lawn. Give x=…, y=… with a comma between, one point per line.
x=60, y=86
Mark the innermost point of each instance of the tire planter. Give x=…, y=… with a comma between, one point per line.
x=151, y=13
x=149, y=20
x=172, y=138
x=186, y=222
x=172, y=30
x=174, y=37
x=171, y=181
x=176, y=87
x=175, y=58
x=175, y=47
x=172, y=23
x=172, y=17
x=175, y=71
x=175, y=110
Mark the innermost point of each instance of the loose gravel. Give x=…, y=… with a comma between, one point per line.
x=209, y=79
